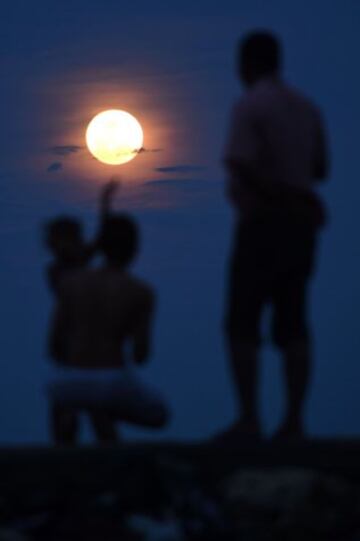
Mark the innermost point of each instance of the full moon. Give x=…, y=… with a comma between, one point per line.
x=114, y=137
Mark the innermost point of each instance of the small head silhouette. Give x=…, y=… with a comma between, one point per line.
x=259, y=55
x=63, y=237
x=119, y=240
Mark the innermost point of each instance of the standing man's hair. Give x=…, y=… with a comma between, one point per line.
x=260, y=51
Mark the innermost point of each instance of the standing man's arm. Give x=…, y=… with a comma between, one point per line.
x=245, y=175
x=241, y=148
x=243, y=163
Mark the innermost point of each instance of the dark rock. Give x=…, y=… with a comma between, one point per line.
x=12, y=535
x=197, y=494
x=292, y=504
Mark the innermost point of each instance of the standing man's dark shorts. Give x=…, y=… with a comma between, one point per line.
x=272, y=262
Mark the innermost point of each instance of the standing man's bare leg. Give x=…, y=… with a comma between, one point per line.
x=244, y=366
x=297, y=360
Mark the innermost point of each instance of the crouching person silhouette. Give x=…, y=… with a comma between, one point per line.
x=99, y=313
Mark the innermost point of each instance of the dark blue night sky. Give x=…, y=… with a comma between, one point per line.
x=170, y=64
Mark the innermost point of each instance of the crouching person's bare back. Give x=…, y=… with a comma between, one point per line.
x=101, y=331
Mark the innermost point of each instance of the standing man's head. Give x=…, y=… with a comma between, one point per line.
x=259, y=56
x=119, y=240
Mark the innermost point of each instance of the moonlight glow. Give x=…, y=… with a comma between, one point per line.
x=114, y=137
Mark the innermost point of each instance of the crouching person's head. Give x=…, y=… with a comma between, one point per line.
x=119, y=240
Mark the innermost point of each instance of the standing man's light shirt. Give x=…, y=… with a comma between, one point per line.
x=279, y=135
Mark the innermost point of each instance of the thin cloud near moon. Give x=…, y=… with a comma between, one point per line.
x=56, y=166
x=180, y=169
x=65, y=150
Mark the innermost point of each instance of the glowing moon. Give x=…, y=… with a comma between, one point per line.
x=114, y=137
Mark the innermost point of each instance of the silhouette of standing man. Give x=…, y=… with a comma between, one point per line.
x=275, y=154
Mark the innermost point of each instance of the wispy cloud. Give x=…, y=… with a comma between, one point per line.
x=172, y=193
x=183, y=183
x=65, y=150
x=183, y=169
x=56, y=166
x=150, y=150
x=167, y=193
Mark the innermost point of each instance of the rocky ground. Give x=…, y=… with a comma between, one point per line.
x=167, y=497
